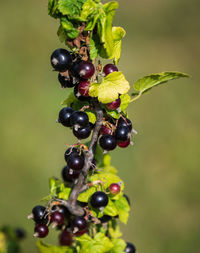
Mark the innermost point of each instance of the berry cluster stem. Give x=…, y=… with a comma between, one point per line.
x=80, y=184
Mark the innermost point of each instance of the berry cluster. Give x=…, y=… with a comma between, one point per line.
x=78, y=73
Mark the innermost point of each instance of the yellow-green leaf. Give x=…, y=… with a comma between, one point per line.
x=110, y=88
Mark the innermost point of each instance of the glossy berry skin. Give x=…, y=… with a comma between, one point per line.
x=109, y=68
x=130, y=248
x=39, y=213
x=41, y=230
x=125, y=122
x=66, y=83
x=69, y=175
x=65, y=116
x=79, y=223
x=122, y=133
x=113, y=105
x=65, y=238
x=61, y=60
x=61, y=209
x=108, y=142
x=82, y=133
x=79, y=118
x=86, y=69
x=57, y=218
x=83, y=88
x=99, y=199
x=114, y=189
x=72, y=151
x=124, y=144
x=75, y=162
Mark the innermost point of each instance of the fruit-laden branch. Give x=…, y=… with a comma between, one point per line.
x=80, y=184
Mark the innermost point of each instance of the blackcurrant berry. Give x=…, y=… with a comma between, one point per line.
x=61, y=60
x=69, y=175
x=82, y=133
x=65, y=238
x=124, y=144
x=83, y=88
x=79, y=118
x=71, y=151
x=66, y=83
x=20, y=233
x=39, y=214
x=99, y=199
x=114, y=189
x=105, y=130
x=130, y=248
x=57, y=218
x=125, y=122
x=105, y=219
x=75, y=162
x=122, y=133
x=114, y=105
x=41, y=230
x=61, y=209
x=65, y=115
x=78, y=95
x=109, y=68
x=108, y=142
x=79, y=224
x=86, y=69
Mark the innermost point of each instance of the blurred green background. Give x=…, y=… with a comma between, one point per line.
x=161, y=171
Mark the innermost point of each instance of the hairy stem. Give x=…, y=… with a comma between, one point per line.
x=80, y=184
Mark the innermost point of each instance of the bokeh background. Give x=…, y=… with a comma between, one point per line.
x=161, y=171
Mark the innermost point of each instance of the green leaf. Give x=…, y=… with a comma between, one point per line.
x=64, y=192
x=70, y=100
x=110, y=209
x=71, y=8
x=47, y=248
x=119, y=246
x=114, y=231
x=54, y=185
x=125, y=100
x=105, y=28
x=118, y=33
x=123, y=209
x=70, y=30
x=89, y=8
x=100, y=243
x=85, y=196
x=110, y=88
x=61, y=34
x=152, y=80
x=94, y=51
x=53, y=8
x=114, y=114
x=91, y=116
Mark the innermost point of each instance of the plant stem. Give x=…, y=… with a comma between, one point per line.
x=78, y=186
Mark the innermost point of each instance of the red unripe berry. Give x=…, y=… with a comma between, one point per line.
x=65, y=238
x=114, y=188
x=57, y=218
x=79, y=233
x=109, y=68
x=41, y=231
x=83, y=88
x=105, y=130
x=114, y=105
x=124, y=144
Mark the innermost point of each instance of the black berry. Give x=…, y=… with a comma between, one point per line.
x=108, y=142
x=124, y=144
x=125, y=122
x=73, y=151
x=105, y=218
x=65, y=238
x=65, y=82
x=122, y=133
x=57, y=218
x=79, y=224
x=99, y=199
x=114, y=105
x=69, y=174
x=61, y=60
x=130, y=248
x=79, y=118
x=65, y=115
x=82, y=133
x=39, y=214
x=75, y=162
x=83, y=88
